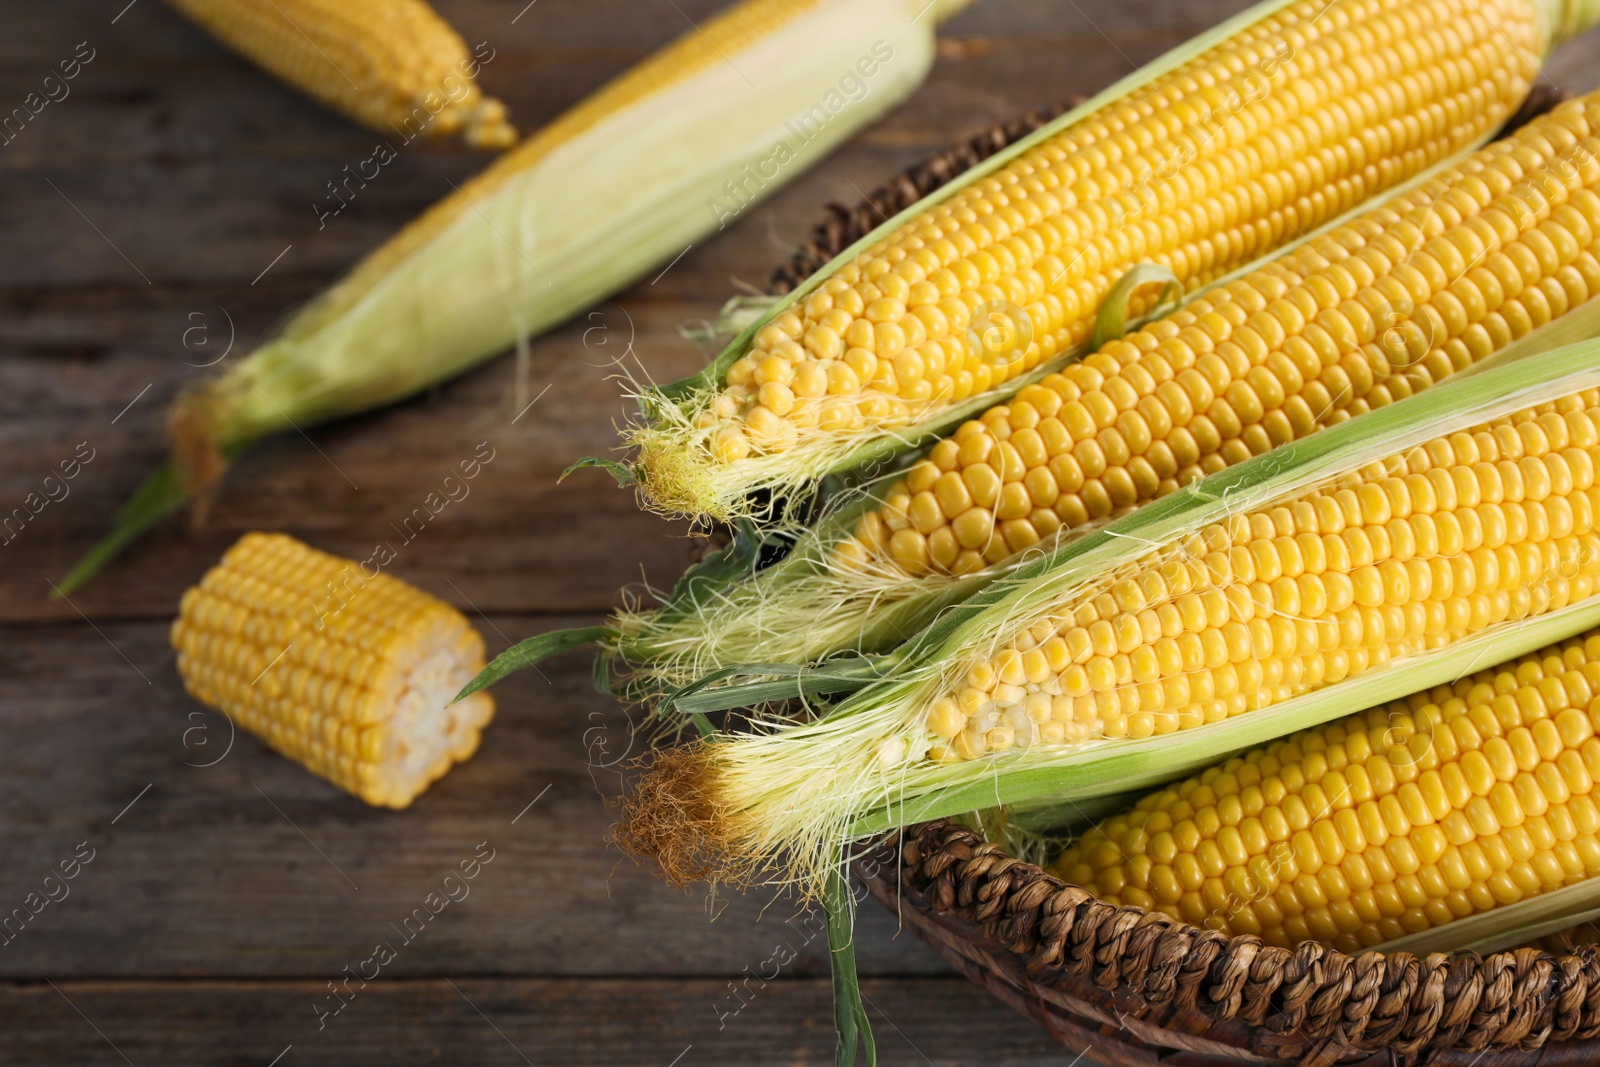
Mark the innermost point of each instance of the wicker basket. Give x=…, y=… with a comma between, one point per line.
x=1135, y=988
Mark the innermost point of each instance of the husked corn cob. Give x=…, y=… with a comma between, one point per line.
x=393, y=65
x=1392, y=821
x=1413, y=552
x=1368, y=313
x=1256, y=141
x=348, y=675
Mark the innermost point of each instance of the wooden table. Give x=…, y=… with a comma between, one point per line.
x=166, y=205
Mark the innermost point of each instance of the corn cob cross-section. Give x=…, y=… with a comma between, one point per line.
x=1389, y=822
x=349, y=675
x=1252, y=143
x=1374, y=311
x=392, y=65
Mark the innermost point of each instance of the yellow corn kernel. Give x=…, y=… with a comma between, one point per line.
x=392, y=65
x=1277, y=843
x=1148, y=414
x=348, y=675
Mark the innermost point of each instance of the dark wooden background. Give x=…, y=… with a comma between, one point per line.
x=222, y=899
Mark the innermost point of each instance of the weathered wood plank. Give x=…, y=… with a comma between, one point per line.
x=468, y=1021
x=253, y=867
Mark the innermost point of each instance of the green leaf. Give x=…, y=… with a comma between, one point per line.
x=600, y=676
x=527, y=653
x=849, y=1014
x=160, y=495
x=620, y=471
x=1111, y=321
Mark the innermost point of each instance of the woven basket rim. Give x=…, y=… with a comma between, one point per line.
x=1131, y=986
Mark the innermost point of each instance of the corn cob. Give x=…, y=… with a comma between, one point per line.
x=392, y=65
x=1411, y=554
x=1492, y=255
x=606, y=193
x=1402, y=542
x=349, y=675
x=843, y=226
x=1392, y=821
x=1373, y=311
x=1195, y=169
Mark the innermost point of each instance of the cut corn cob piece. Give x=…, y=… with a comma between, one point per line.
x=348, y=675
x=1198, y=167
x=602, y=196
x=1492, y=255
x=393, y=65
x=1390, y=550
x=1392, y=821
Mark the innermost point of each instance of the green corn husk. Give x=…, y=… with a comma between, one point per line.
x=656, y=160
x=674, y=462
x=728, y=806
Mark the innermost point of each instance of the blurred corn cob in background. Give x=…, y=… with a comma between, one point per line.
x=1298, y=585
x=392, y=65
x=348, y=674
x=609, y=191
x=1197, y=164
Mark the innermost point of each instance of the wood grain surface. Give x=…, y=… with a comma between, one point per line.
x=165, y=207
